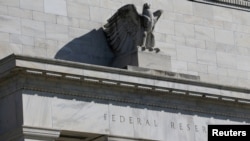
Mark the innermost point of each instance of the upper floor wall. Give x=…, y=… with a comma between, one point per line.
x=201, y=39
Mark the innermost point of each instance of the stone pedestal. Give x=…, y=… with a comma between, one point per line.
x=152, y=60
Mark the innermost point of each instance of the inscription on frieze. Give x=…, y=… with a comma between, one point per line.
x=120, y=120
x=131, y=120
x=178, y=126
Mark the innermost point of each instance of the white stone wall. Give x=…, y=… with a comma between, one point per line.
x=210, y=41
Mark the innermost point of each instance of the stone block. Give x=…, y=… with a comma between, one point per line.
x=229, y=81
x=45, y=43
x=224, y=36
x=37, y=110
x=4, y=37
x=22, y=13
x=33, y=28
x=3, y=10
x=80, y=116
x=184, y=30
x=187, y=54
x=154, y=61
x=78, y=9
x=226, y=60
x=56, y=31
x=77, y=32
x=179, y=40
x=206, y=56
x=171, y=16
x=166, y=5
x=236, y=27
x=220, y=47
x=210, y=78
x=237, y=73
x=214, y=69
x=94, y=2
x=183, y=7
x=241, y=17
x=10, y=24
x=16, y=48
x=5, y=50
x=244, y=83
x=86, y=24
x=243, y=63
x=189, y=19
x=72, y=22
x=89, y=2
x=97, y=17
x=51, y=52
x=203, y=10
x=21, y=39
x=197, y=67
x=204, y=33
x=35, y=52
x=242, y=39
x=178, y=66
x=195, y=43
x=211, y=45
x=114, y=5
x=10, y=2
x=213, y=23
x=164, y=26
x=161, y=37
x=57, y=7
x=243, y=51
x=31, y=5
x=223, y=14
x=168, y=49
x=40, y=16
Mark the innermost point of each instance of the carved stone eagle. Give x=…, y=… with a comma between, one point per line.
x=127, y=30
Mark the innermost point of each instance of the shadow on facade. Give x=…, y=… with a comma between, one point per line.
x=91, y=48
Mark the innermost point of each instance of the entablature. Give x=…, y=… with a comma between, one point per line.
x=122, y=78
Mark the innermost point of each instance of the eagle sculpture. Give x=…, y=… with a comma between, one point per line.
x=127, y=30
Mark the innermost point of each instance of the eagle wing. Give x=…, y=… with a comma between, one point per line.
x=150, y=41
x=124, y=30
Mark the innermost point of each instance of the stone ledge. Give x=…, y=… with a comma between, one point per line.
x=134, y=79
x=40, y=133
x=164, y=73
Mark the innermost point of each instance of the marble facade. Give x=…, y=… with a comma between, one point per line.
x=46, y=101
x=210, y=41
x=57, y=86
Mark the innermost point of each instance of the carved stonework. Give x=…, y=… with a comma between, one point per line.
x=127, y=30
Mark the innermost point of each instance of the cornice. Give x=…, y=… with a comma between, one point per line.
x=9, y=59
x=24, y=74
x=173, y=85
